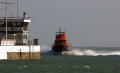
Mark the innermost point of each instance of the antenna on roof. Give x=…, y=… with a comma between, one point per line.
x=59, y=28
x=17, y=8
x=65, y=30
x=24, y=13
x=54, y=31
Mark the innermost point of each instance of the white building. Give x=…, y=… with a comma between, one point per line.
x=14, y=40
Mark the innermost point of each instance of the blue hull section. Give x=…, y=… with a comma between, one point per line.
x=60, y=49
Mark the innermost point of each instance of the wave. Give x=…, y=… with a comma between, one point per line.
x=90, y=52
x=46, y=50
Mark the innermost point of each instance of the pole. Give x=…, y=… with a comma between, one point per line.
x=6, y=19
x=17, y=8
x=6, y=14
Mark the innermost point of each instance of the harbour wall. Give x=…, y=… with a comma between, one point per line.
x=20, y=52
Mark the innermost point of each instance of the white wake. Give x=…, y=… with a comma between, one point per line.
x=90, y=52
x=81, y=52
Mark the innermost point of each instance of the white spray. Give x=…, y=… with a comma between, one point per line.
x=81, y=52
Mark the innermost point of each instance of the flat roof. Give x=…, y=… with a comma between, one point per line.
x=15, y=20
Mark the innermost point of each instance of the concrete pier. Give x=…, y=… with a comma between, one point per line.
x=20, y=52
x=23, y=55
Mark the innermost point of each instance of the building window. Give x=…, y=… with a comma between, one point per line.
x=12, y=28
x=19, y=24
x=13, y=24
x=25, y=26
x=1, y=23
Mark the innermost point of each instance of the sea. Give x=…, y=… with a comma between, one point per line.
x=79, y=60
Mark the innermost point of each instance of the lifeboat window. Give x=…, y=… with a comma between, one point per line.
x=63, y=40
x=58, y=40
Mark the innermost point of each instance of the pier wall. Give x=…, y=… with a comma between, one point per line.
x=20, y=52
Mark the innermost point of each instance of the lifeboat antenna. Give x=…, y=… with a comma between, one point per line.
x=65, y=30
x=54, y=31
x=60, y=29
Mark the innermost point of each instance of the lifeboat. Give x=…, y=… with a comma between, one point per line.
x=61, y=44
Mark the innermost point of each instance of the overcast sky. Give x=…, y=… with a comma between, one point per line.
x=87, y=22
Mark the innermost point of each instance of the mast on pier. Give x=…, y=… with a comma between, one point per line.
x=6, y=14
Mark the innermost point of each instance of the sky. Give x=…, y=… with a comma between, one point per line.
x=87, y=22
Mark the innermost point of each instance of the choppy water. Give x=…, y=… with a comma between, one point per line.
x=79, y=60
